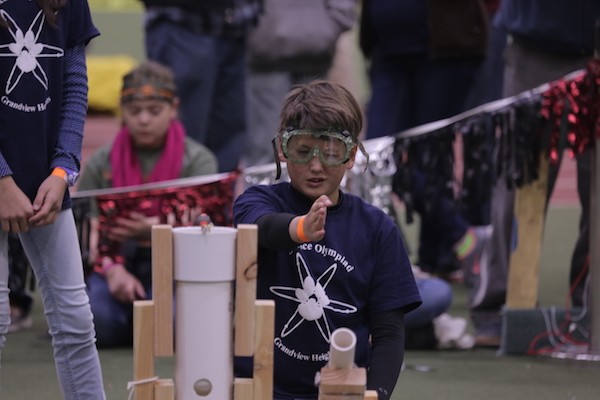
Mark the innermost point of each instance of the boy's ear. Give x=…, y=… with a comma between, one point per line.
x=281, y=156
x=352, y=158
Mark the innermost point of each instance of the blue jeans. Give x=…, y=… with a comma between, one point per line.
x=410, y=90
x=443, y=224
x=55, y=259
x=436, y=295
x=113, y=319
x=210, y=78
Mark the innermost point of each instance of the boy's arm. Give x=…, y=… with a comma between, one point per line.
x=387, y=336
x=283, y=231
x=273, y=231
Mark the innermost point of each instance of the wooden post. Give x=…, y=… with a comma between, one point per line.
x=162, y=289
x=245, y=289
x=164, y=389
x=263, y=349
x=523, y=273
x=143, y=349
x=243, y=389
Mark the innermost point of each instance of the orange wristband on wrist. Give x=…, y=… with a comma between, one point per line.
x=300, y=230
x=59, y=172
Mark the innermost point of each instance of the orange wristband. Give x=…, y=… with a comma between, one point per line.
x=300, y=230
x=61, y=173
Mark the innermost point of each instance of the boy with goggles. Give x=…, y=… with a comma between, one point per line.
x=332, y=148
x=327, y=258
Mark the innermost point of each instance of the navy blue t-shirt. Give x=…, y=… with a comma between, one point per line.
x=360, y=268
x=32, y=66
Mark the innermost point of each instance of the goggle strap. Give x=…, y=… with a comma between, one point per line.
x=364, y=153
x=276, y=156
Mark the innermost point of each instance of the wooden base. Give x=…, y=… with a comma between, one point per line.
x=336, y=382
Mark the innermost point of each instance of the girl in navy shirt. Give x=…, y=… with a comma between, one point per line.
x=43, y=104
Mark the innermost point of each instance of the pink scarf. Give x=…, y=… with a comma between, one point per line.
x=126, y=168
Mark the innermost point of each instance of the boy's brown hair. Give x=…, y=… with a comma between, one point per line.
x=321, y=105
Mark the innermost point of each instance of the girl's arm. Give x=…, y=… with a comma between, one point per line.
x=67, y=154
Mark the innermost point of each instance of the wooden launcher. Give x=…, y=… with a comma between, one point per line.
x=253, y=323
x=253, y=333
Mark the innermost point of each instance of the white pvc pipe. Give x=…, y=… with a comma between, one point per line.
x=342, y=349
x=204, y=271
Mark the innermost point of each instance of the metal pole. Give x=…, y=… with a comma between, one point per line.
x=592, y=352
x=594, y=271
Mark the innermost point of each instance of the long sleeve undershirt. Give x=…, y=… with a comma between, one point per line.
x=387, y=337
x=274, y=231
x=74, y=108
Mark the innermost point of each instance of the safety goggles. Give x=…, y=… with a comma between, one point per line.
x=333, y=148
x=302, y=145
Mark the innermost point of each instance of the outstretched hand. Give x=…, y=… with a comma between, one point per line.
x=15, y=207
x=314, y=221
x=48, y=201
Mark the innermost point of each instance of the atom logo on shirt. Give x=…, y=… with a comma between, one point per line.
x=27, y=50
x=312, y=299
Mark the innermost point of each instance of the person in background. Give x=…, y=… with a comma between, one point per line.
x=488, y=82
x=150, y=147
x=327, y=258
x=203, y=42
x=44, y=92
x=272, y=71
x=423, y=57
x=547, y=40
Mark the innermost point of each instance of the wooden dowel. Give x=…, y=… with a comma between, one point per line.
x=243, y=389
x=164, y=389
x=143, y=349
x=245, y=289
x=162, y=289
x=263, y=349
